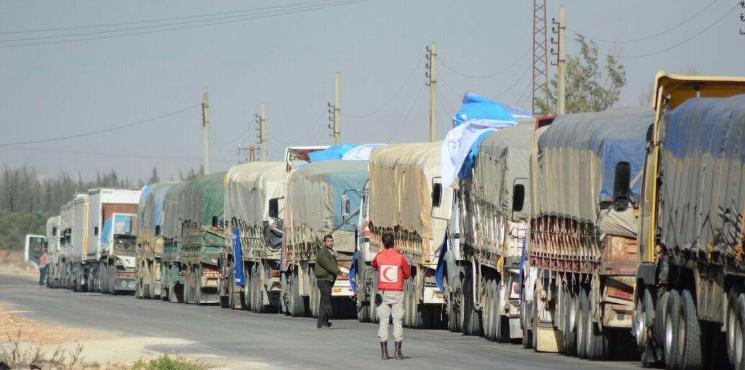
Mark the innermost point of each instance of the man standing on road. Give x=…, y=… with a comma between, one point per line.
x=326, y=270
x=43, y=263
x=392, y=271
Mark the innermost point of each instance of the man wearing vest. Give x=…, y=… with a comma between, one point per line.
x=326, y=270
x=392, y=271
x=43, y=263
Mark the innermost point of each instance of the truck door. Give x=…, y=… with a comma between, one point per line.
x=34, y=248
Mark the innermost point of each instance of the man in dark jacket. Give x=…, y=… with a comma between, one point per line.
x=326, y=270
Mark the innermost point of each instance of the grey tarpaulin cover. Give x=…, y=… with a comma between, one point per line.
x=502, y=160
x=314, y=202
x=197, y=200
x=573, y=166
x=249, y=188
x=701, y=196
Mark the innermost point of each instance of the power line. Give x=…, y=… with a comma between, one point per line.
x=145, y=21
x=155, y=26
x=648, y=37
x=97, y=132
x=699, y=33
x=501, y=70
x=406, y=117
x=514, y=83
x=241, y=19
x=390, y=100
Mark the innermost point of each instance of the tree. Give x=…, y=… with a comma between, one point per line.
x=154, y=177
x=590, y=87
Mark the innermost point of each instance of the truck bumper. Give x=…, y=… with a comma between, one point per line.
x=124, y=284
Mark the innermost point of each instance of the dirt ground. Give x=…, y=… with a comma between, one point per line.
x=11, y=262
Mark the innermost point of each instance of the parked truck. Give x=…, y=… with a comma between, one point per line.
x=74, y=222
x=54, y=251
x=320, y=200
x=487, y=233
x=149, y=247
x=193, y=240
x=254, y=207
x=109, y=262
x=583, y=228
x=690, y=301
x=404, y=196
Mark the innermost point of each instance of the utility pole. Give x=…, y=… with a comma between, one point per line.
x=335, y=115
x=559, y=28
x=261, y=133
x=540, y=57
x=431, y=74
x=205, y=133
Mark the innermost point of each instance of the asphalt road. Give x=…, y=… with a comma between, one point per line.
x=278, y=340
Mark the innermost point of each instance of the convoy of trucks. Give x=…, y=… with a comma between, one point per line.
x=575, y=233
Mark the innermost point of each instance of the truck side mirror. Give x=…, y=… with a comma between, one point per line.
x=95, y=230
x=436, y=194
x=346, y=206
x=157, y=230
x=274, y=208
x=518, y=197
x=215, y=221
x=622, y=186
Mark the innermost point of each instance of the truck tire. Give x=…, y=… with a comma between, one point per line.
x=295, y=303
x=643, y=320
x=584, y=312
x=112, y=279
x=691, y=352
x=454, y=318
x=596, y=340
x=372, y=308
x=569, y=323
x=488, y=310
x=732, y=323
x=739, y=343
x=261, y=303
x=527, y=341
x=672, y=313
x=198, y=296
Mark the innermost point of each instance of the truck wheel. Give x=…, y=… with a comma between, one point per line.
x=672, y=313
x=296, y=306
x=689, y=334
x=112, y=279
x=584, y=312
x=527, y=341
x=739, y=337
x=198, y=296
x=596, y=340
x=453, y=315
x=643, y=320
x=261, y=303
x=487, y=309
x=570, y=319
x=732, y=323
x=372, y=308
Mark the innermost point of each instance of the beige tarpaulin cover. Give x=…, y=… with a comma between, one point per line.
x=401, y=186
x=249, y=187
x=313, y=206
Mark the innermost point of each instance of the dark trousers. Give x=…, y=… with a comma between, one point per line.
x=42, y=275
x=324, y=307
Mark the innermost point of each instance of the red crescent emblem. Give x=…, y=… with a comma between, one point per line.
x=385, y=274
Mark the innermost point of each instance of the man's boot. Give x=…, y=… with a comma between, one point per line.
x=384, y=350
x=399, y=355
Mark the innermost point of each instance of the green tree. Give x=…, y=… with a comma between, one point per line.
x=154, y=177
x=590, y=87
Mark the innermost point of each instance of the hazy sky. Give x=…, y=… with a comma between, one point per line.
x=288, y=62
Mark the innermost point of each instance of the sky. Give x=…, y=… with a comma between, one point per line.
x=151, y=77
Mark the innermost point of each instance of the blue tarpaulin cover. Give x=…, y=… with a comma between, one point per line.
x=703, y=152
x=150, y=211
x=478, y=118
x=237, y=256
x=331, y=153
